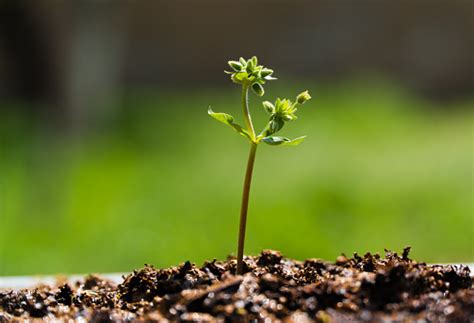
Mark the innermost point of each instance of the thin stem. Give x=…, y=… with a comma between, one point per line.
x=244, y=207
x=246, y=110
x=248, y=179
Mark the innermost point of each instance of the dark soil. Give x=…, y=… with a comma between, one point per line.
x=358, y=289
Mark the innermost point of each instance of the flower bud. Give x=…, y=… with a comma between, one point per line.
x=269, y=107
x=303, y=97
x=258, y=89
x=275, y=125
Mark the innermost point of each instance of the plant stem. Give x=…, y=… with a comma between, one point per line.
x=244, y=207
x=245, y=106
x=248, y=178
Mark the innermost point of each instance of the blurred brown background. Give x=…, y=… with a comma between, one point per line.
x=73, y=55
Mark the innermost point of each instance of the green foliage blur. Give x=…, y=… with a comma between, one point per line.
x=162, y=183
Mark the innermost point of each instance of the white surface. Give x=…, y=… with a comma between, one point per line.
x=18, y=282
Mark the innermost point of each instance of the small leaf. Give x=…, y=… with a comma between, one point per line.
x=270, y=78
x=258, y=89
x=236, y=66
x=296, y=141
x=282, y=141
x=274, y=140
x=266, y=72
x=228, y=120
x=254, y=59
x=250, y=66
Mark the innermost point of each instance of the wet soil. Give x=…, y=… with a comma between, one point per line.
x=365, y=288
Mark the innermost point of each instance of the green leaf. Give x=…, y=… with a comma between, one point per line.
x=228, y=120
x=282, y=141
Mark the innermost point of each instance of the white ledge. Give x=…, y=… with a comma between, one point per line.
x=18, y=282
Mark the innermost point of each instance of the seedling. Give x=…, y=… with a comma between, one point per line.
x=250, y=75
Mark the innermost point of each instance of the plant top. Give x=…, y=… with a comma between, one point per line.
x=253, y=76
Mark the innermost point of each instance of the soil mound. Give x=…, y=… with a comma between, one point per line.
x=365, y=288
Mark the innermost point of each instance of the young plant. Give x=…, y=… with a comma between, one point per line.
x=250, y=75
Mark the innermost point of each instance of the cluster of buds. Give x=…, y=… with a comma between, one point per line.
x=249, y=73
x=282, y=111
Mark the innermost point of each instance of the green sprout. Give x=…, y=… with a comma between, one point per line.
x=253, y=76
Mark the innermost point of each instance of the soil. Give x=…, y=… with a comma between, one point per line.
x=365, y=288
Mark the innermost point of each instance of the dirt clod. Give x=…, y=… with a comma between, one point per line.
x=365, y=288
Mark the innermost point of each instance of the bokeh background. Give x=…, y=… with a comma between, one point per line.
x=108, y=159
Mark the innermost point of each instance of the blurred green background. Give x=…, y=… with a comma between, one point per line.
x=105, y=174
